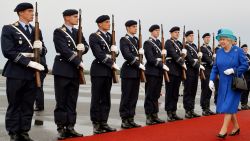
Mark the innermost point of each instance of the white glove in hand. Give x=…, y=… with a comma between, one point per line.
x=164, y=52
x=141, y=51
x=115, y=66
x=36, y=66
x=229, y=71
x=199, y=54
x=80, y=47
x=202, y=67
x=214, y=55
x=184, y=66
x=211, y=86
x=81, y=65
x=184, y=51
x=38, y=44
x=142, y=67
x=114, y=48
x=165, y=67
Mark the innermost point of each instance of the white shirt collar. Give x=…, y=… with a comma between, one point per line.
x=23, y=25
x=132, y=36
x=69, y=27
x=153, y=38
x=103, y=32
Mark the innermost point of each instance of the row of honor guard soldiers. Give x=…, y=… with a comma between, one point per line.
x=18, y=42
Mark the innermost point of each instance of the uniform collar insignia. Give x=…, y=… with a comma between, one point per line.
x=127, y=36
x=64, y=29
x=16, y=24
x=98, y=33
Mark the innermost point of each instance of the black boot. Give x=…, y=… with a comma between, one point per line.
x=97, y=128
x=14, y=137
x=70, y=131
x=24, y=136
x=195, y=114
x=188, y=114
x=206, y=112
x=125, y=124
x=106, y=127
x=132, y=122
x=150, y=120
x=175, y=116
x=211, y=112
x=245, y=107
x=170, y=116
x=61, y=133
x=157, y=119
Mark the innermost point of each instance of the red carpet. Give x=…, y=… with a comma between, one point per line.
x=199, y=129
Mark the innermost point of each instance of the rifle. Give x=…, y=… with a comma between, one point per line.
x=113, y=55
x=213, y=46
x=37, y=50
x=239, y=42
x=79, y=52
x=142, y=74
x=184, y=76
x=202, y=75
x=165, y=73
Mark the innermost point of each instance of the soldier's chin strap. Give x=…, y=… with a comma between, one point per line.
x=23, y=35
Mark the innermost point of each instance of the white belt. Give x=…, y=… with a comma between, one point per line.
x=203, y=63
x=158, y=59
x=30, y=55
x=168, y=58
x=195, y=60
x=60, y=53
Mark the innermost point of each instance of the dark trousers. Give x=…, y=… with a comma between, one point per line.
x=190, y=89
x=21, y=96
x=100, y=98
x=172, y=93
x=130, y=91
x=206, y=93
x=245, y=94
x=152, y=91
x=66, y=93
x=40, y=94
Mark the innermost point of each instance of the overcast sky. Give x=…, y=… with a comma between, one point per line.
x=205, y=15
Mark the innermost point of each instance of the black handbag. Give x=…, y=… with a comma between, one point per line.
x=239, y=83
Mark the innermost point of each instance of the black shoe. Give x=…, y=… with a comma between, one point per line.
x=37, y=109
x=237, y=132
x=157, y=119
x=132, y=122
x=188, y=114
x=150, y=120
x=70, y=132
x=61, y=133
x=170, y=117
x=245, y=107
x=195, y=114
x=24, y=136
x=107, y=128
x=211, y=112
x=222, y=136
x=125, y=124
x=205, y=113
x=97, y=128
x=14, y=137
x=176, y=117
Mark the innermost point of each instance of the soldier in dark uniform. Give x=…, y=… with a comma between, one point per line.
x=175, y=63
x=130, y=78
x=16, y=43
x=207, y=62
x=154, y=75
x=101, y=75
x=245, y=94
x=216, y=82
x=191, y=83
x=66, y=74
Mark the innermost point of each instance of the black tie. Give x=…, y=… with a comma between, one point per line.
x=107, y=35
x=27, y=30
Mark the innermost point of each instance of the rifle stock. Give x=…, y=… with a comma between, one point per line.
x=213, y=46
x=142, y=74
x=37, y=50
x=202, y=75
x=79, y=52
x=165, y=73
x=113, y=54
x=184, y=76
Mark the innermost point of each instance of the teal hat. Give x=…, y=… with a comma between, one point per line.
x=227, y=33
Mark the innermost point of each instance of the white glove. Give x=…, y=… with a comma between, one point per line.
x=202, y=67
x=184, y=51
x=184, y=66
x=142, y=67
x=249, y=68
x=211, y=86
x=199, y=54
x=137, y=58
x=115, y=66
x=81, y=65
x=114, y=48
x=38, y=44
x=229, y=71
x=80, y=47
x=141, y=51
x=164, y=52
x=36, y=66
x=214, y=55
x=165, y=67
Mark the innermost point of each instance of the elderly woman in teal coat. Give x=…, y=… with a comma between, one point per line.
x=230, y=61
